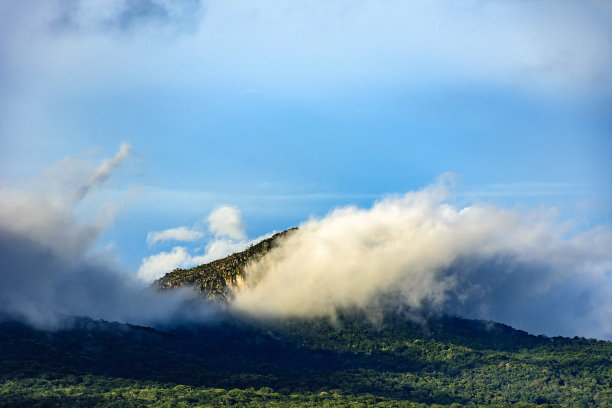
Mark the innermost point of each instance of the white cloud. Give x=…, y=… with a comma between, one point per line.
x=530, y=271
x=226, y=221
x=159, y=264
x=155, y=266
x=52, y=266
x=227, y=227
x=174, y=234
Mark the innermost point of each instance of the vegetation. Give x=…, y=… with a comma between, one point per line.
x=350, y=362
x=213, y=279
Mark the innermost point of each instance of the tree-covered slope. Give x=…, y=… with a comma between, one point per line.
x=352, y=360
x=348, y=362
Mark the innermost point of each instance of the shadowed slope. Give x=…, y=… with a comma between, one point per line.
x=447, y=361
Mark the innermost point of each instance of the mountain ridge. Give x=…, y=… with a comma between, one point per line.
x=214, y=279
x=238, y=359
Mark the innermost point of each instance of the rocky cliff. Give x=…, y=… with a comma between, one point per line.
x=213, y=280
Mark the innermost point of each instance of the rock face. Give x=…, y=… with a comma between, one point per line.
x=213, y=280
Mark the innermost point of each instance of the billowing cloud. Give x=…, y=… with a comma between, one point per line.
x=52, y=267
x=174, y=234
x=226, y=221
x=416, y=253
x=420, y=253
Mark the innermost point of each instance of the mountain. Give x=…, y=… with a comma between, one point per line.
x=350, y=361
x=213, y=279
x=442, y=362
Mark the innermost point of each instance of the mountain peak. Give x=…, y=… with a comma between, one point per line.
x=214, y=279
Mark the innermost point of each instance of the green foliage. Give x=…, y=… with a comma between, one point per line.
x=350, y=362
x=446, y=361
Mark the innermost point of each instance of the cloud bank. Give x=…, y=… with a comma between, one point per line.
x=416, y=253
x=51, y=266
x=422, y=254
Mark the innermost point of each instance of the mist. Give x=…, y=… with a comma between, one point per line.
x=53, y=267
x=419, y=255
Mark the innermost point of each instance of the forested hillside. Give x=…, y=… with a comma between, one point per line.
x=350, y=362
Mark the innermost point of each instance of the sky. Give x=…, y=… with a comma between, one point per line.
x=203, y=126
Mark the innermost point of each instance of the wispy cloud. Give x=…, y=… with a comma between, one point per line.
x=121, y=15
x=549, y=44
x=52, y=267
x=530, y=188
x=174, y=234
x=101, y=173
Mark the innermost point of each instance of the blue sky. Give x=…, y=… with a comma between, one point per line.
x=286, y=110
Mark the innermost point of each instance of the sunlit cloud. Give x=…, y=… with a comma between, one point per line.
x=227, y=221
x=174, y=234
x=226, y=235
x=419, y=253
